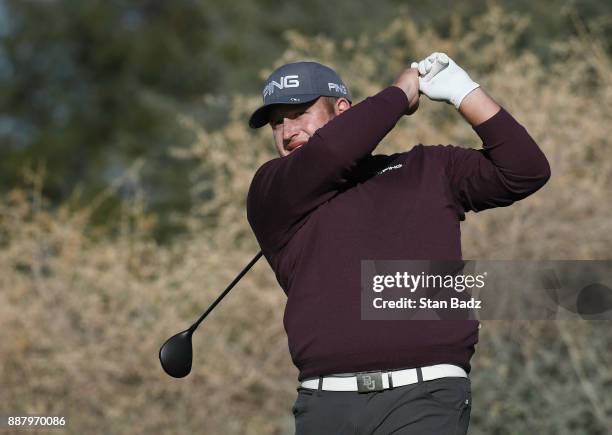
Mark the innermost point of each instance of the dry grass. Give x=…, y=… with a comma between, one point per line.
x=83, y=312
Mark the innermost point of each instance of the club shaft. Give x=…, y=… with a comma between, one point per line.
x=226, y=291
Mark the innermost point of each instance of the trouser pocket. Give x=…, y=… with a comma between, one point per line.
x=304, y=397
x=451, y=393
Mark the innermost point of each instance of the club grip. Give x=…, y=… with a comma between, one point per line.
x=439, y=64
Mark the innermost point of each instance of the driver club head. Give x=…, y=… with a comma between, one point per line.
x=176, y=354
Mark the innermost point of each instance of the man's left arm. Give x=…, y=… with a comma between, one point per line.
x=509, y=167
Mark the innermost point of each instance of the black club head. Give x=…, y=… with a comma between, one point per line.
x=176, y=354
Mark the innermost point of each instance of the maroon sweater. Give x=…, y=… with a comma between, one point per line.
x=322, y=209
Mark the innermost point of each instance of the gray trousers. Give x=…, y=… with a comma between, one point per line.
x=436, y=407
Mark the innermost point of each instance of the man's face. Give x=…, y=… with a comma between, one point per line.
x=294, y=124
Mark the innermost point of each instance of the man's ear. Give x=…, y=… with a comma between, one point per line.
x=341, y=105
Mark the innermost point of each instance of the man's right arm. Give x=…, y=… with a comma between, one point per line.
x=284, y=191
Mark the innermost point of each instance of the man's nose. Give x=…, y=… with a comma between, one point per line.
x=290, y=128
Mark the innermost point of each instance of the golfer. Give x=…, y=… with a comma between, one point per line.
x=329, y=202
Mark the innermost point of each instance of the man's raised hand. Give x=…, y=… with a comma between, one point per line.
x=441, y=79
x=408, y=81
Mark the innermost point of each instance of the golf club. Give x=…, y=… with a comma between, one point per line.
x=176, y=353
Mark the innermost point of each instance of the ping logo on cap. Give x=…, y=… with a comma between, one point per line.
x=337, y=88
x=285, y=82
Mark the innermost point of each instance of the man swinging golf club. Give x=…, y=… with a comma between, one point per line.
x=327, y=203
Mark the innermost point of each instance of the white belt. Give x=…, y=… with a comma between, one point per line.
x=377, y=381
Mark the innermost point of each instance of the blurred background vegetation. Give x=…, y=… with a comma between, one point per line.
x=125, y=160
x=88, y=87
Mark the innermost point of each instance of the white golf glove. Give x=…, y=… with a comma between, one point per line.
x=441, y=79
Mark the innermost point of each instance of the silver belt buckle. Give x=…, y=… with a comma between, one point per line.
x=369, y=381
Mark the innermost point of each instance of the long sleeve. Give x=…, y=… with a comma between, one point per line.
x=284, y=191
x=509, y=168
